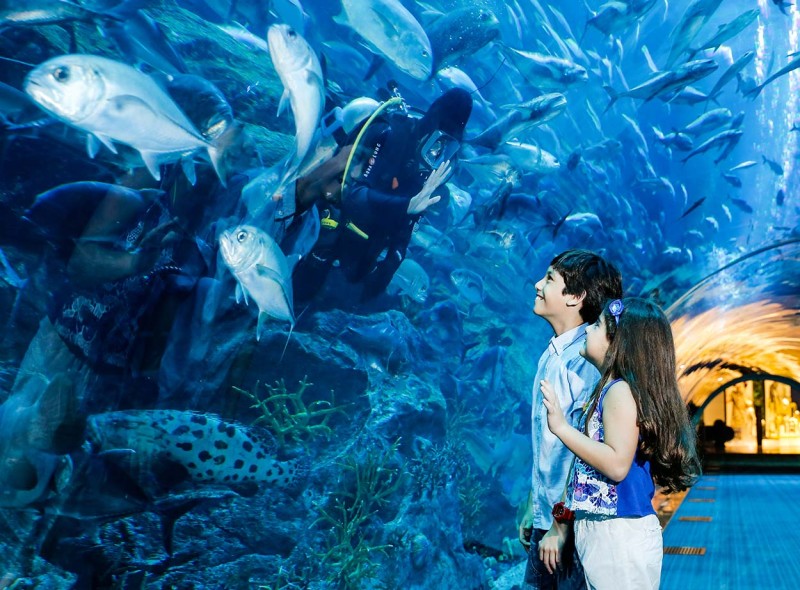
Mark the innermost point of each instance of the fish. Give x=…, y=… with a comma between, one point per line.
x=390, y=31
x=410, y=279
x=742, y=204
x=727, y=211
x=469, y=285
x=530, y=158
x=790, y=67
x=458, y=204
x=39, y=428
x=773, y=165
x=547, y=72
x=708, y=121
x=61, y=213
x=585, y=222
x=732, y=72
x=724, y=139
x=780, y=197
x=688, y=96
x=676, y=139
x=262, y=272
x=48, y=12
x=303, y=87
x=102, y=96
x=143, y=40
x=16, y=107
x=521, y=118
x=203, y=103
x=687, y=29
x=201, y=447
x=743, y=165
x=728, y=31
x=733, y=180
x=614, y=17
x=461, y=32
x=694, y=206
x=666, y=82
x=489, y=169
x=244, y=36
x=782, y=5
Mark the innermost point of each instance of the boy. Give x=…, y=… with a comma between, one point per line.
x=570, y=296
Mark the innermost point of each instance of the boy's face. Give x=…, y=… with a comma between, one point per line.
x=550, y=299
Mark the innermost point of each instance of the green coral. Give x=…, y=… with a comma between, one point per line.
x=288, y=416
x=350, y=552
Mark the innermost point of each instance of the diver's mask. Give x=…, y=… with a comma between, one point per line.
x=438, y=148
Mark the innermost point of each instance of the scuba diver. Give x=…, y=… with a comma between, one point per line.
x=393, y=170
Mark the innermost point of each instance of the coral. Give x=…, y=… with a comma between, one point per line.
x=350, y=551
x=287, y=416
x=435, y=467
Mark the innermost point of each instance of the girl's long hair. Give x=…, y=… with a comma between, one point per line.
x=642, y=352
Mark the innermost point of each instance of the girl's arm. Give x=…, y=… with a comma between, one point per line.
x=614, y=456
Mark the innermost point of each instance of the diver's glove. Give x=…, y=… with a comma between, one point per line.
x=422, y=200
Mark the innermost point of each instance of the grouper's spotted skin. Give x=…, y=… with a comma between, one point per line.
x=210, y=449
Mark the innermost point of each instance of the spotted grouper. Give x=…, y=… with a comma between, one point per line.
x=210, y=449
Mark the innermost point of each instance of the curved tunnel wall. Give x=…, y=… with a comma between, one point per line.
x=740, y=323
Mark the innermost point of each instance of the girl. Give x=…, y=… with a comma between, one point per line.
x=635, y=430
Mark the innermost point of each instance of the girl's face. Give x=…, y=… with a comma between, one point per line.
x=596, y=344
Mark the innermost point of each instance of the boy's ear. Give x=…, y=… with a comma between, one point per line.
x=575, y=300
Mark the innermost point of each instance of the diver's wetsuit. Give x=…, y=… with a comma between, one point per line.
x=385, y=173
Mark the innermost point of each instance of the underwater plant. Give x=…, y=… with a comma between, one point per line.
x=350, y=552
x=287, y=415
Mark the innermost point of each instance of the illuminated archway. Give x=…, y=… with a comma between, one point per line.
x=744, y=378
x=741, y=323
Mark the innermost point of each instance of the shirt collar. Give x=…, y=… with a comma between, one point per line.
x=559, y=343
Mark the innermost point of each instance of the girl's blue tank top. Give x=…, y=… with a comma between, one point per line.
x=592, y=495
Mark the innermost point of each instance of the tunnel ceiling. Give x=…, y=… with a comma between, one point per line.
x=743, y=318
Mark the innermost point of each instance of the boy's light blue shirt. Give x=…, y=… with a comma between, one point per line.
x=573, y=378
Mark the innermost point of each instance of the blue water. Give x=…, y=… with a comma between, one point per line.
x=150, y=439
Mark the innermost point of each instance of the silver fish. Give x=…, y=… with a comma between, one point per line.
x=262, y=272
x=392, y=31
x=469, y=284
x=530, y=158
x=410, y=279
x=301, y=74
x=546, y=71
x=102, y=97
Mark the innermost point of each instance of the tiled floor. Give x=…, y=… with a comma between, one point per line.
x=752, y=540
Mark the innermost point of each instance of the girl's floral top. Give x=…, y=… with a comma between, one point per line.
x=591, y=494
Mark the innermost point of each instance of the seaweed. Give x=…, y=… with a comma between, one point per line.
x=350, y=552
x=287, y=415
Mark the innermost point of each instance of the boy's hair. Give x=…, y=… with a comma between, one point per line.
x=584, y=271
x=642, y=352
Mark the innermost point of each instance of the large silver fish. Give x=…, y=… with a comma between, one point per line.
x=547, y=72
x=114, y=102
x=262, y=272
x=392, y=31
x=299, y=69
x=410, y=279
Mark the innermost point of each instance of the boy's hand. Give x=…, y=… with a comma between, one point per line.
x=552, y=545
x=555, y=416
